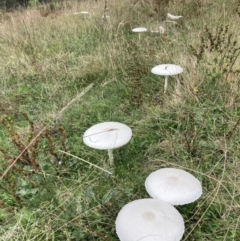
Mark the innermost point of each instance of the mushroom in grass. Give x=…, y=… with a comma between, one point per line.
x=139, y=31
x=84, y=14
x=160, y=30
x=167, y=70
x=149, y=220
x=174, y=186
x=173, y=17
x=107, y=136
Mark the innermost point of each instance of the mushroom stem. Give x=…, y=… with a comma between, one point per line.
x=110, y=154
x=165, y=84
x=139, y=36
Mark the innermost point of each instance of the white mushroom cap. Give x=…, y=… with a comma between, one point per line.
x=173, y=17
x=139, y=30
x=167, y=69
x=149, y=220
x=84, y=12
x=174, y=186
x=107, y=135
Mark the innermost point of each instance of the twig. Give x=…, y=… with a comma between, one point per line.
x=86, y=161
x=96, y=133
x=230, y=133
x=187, y=142
x=25, y=149
x=105, y=10
x=204, y=213
x=35, y=138
x=60, y=113
x=233, y=62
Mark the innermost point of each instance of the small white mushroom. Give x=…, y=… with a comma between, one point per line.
x=84, y=12
x=173, y=17
x=167, y=70
x=160, y=30
x=174, y=186
x=149, y=220
x=139, y=31
x=107, y=136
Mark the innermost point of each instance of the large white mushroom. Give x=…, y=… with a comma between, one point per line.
x=107, y=136
x=174, y=186
x=149, y=220
x=167, y=70
x=139, y=30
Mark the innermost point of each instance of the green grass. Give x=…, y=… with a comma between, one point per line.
x=49, y=58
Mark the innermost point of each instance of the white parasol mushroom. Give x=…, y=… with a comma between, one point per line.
x=83, y=13
x=167, y=70
x=173, y=17
x=139, y=31
x=107, y=136
x=174, y=186
x=149, y=220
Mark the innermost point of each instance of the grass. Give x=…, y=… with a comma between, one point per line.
x=61, y=73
